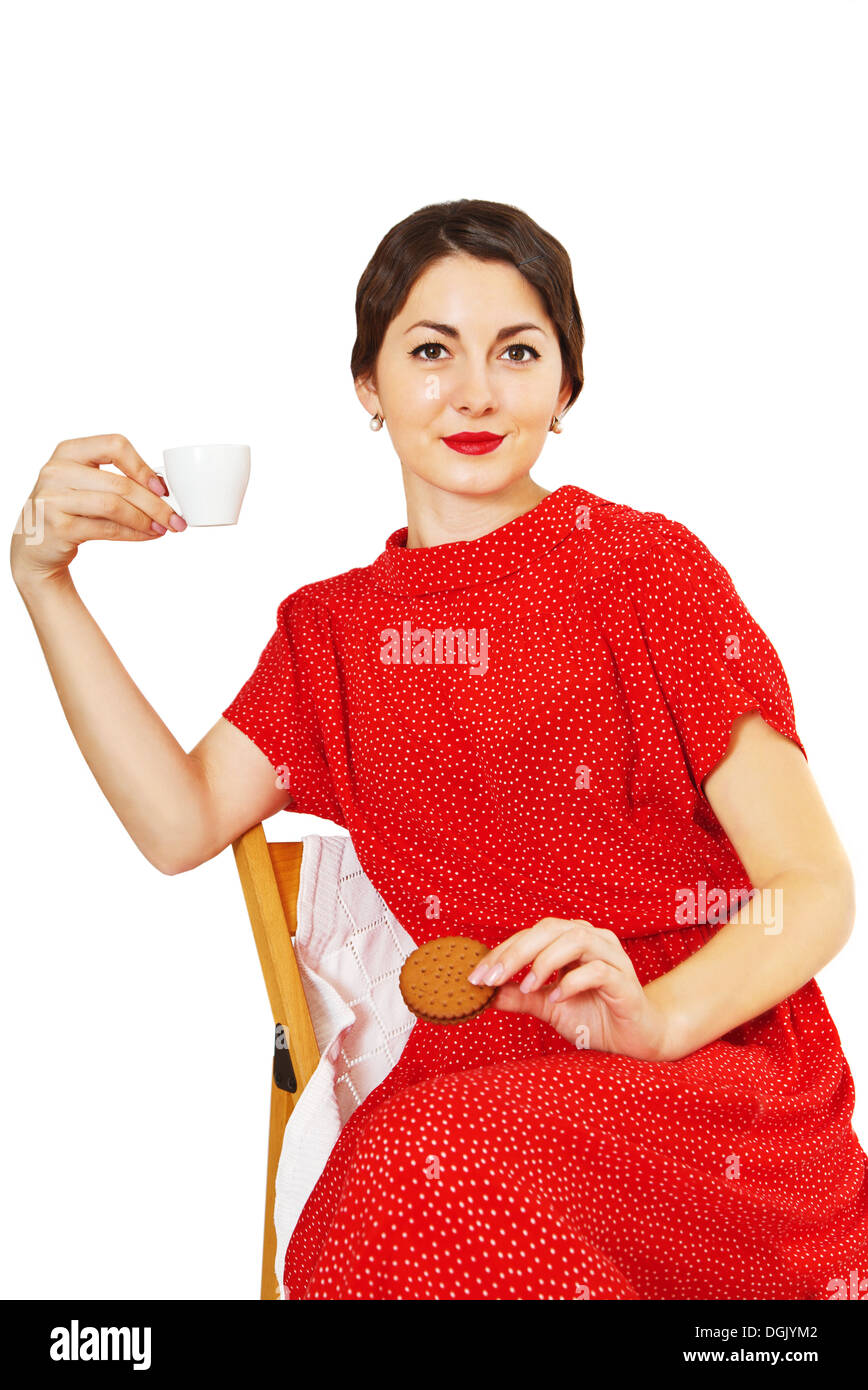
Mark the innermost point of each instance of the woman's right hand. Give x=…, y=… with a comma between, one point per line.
x=73, y=501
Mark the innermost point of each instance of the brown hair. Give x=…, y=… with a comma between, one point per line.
x=489, y=231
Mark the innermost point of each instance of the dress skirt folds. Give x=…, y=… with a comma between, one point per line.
x=498, y=1161
x=516, y=727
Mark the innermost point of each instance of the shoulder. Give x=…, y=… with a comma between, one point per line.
x=321, y=597
x=626, y=542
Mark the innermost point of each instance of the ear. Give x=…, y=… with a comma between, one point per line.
x=566, y=392
x=367, y=394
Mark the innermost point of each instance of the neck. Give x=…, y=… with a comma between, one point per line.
x=436, y=517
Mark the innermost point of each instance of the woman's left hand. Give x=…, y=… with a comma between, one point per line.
x=601, y=1004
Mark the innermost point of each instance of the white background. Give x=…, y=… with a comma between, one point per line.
x=191, y=194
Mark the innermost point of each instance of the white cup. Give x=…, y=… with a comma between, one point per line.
x=209, y=481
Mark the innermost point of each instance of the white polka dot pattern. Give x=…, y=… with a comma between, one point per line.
x=553, y=767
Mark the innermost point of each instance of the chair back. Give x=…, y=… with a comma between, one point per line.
x=269, y=873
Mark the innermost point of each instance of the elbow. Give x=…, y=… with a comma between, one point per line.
x=170, y=869
x=168, y=865
x=179, y=867
x=178, y=853
x=847, y=888
x=832, y=891
x=172, y=864
x=840, y=886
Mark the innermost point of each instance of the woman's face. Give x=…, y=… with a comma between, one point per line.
x=469, y=378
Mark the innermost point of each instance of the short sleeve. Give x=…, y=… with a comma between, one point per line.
x=712, y=660
x=275, y=708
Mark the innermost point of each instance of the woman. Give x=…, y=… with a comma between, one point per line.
x=548, y=722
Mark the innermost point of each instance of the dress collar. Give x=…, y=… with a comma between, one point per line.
x=467, y=564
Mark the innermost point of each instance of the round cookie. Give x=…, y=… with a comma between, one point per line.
x=434, y=982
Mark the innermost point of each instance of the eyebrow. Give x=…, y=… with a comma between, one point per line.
x=449, y=332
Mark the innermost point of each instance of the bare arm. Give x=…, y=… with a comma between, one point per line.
x=179, y=808
x=241, y=789
x=765, y=797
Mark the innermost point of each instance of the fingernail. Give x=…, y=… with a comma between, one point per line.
x=157, y=485
x=528, y=983
x=160, y=530
x=494, y=974
x=475, y=976
x=177, y=522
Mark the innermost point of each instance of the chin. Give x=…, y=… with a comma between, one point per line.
x=472, y=475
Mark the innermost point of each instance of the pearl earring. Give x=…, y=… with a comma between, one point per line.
x=376, y=422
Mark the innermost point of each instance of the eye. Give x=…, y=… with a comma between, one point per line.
x=422, y=347
x=513, y=347
x=523, y=347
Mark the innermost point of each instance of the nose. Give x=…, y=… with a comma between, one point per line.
x=471, y=390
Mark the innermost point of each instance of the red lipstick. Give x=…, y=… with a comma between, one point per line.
x=473, y=441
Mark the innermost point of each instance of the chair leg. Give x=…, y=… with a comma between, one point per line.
x=281, y=1106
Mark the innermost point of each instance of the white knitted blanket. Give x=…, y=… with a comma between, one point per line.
x=350, y=948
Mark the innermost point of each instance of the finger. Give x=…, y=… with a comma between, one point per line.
x=82, y=477
x=109, y=505
x=518, y=950
x=505, y=952
x=96, y=449
x=510, y=998
x=94, y=528
x=595, y=974
x=514, y=953
x=582, y=945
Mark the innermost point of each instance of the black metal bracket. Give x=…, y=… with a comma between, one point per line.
x=284, y=1076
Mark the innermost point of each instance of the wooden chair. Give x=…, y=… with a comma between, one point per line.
x=269, y=873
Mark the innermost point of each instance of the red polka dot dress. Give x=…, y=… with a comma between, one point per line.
x=516, y=727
